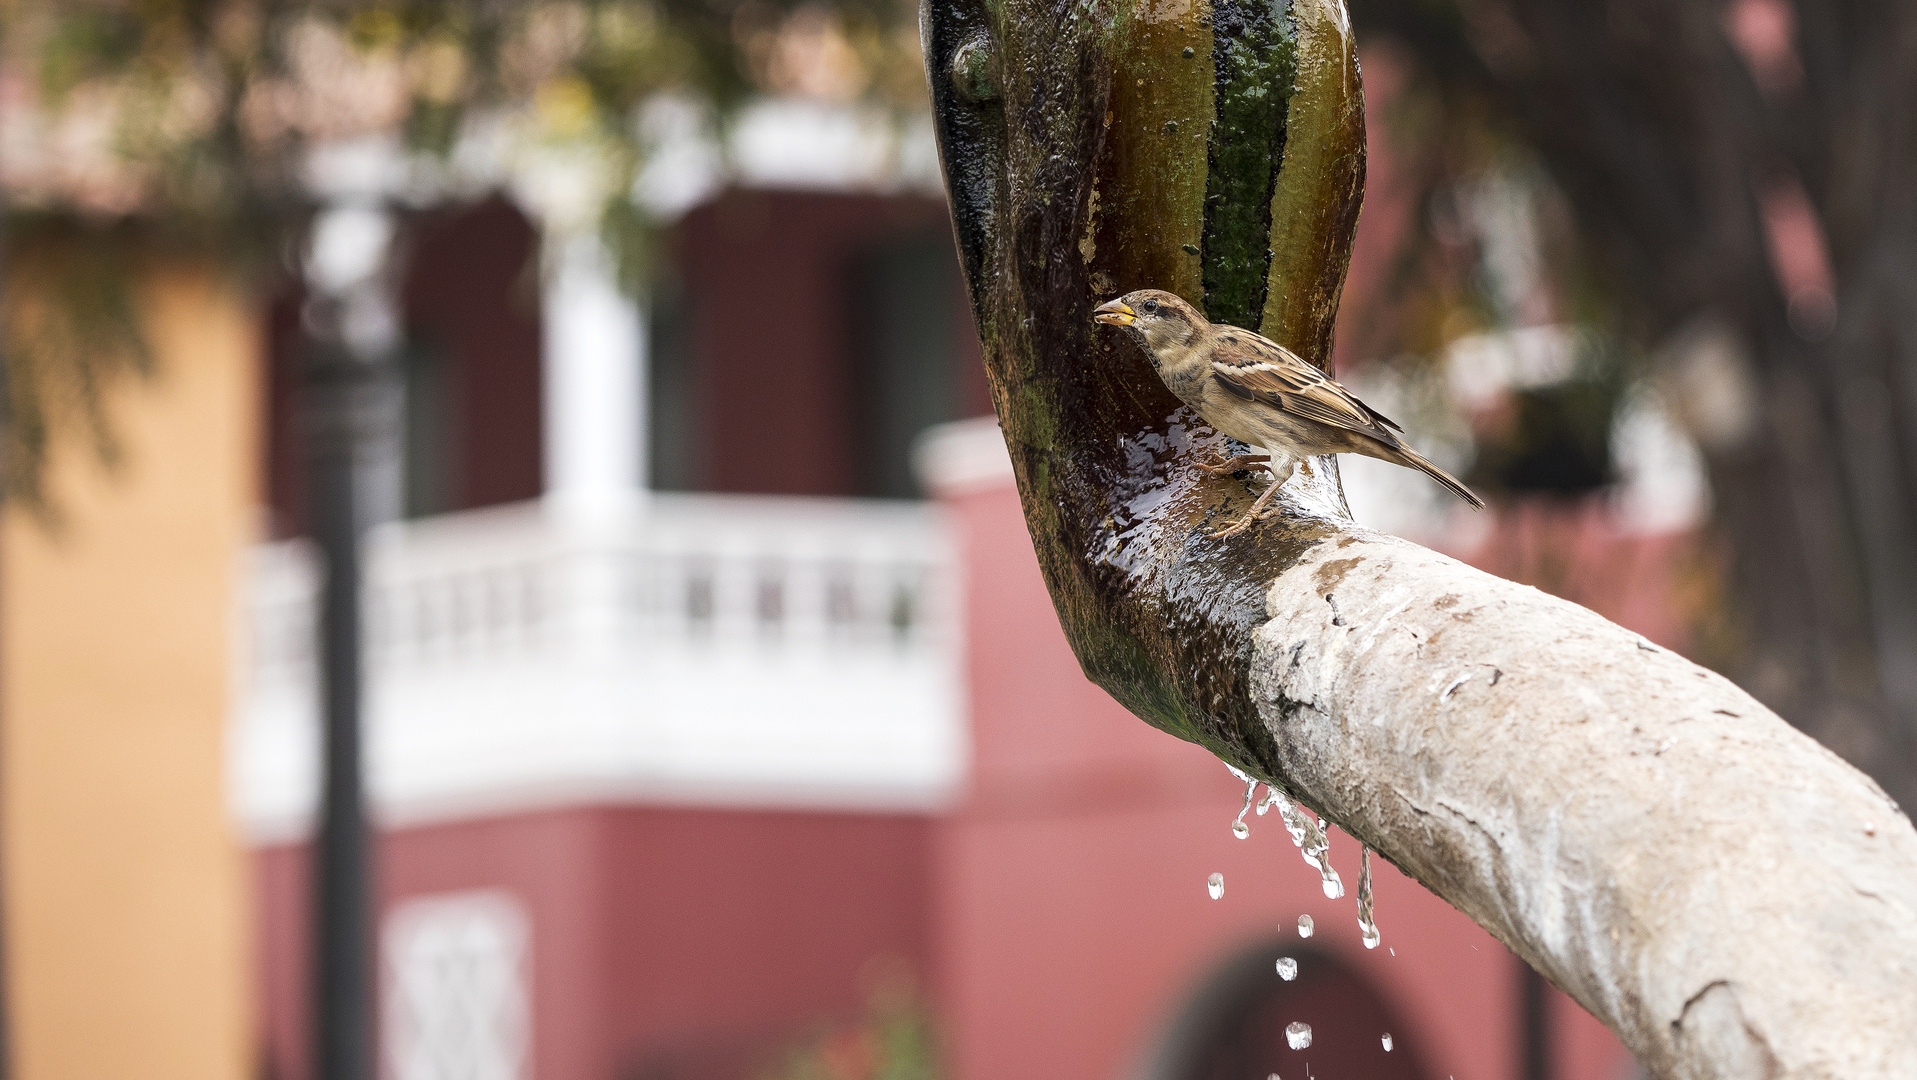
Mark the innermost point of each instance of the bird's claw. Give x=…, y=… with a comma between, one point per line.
x=1246, y=522
x=1222, y=466
x=1233, y=529
x=1262, y=509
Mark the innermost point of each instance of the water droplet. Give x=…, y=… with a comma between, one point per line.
x=1238, y=826
x=1387, y=1042
x=1298, y=1034
x=1287, y=968
x=1308, y=835
x=1366, y=923
x=1304, y=926
x=1215, y=885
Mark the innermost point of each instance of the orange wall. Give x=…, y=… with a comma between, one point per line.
x=125, y=913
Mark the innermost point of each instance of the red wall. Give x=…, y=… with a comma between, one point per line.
x=732, y=930
x=666, y=942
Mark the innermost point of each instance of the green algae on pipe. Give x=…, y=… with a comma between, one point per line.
x=1094, y=147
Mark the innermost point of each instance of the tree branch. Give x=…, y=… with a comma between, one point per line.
x=1731, y=899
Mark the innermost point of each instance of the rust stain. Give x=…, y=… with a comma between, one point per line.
x=1332, y=574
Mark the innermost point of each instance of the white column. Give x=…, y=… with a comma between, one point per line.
x=595, y=432
x=594, y=385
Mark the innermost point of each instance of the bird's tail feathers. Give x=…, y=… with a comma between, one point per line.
x=1419, y=462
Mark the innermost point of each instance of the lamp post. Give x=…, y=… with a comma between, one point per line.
x=350, y=322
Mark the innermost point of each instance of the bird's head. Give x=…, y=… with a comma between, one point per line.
x=1157, y=318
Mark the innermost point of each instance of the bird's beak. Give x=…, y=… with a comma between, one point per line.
x=1113, y=313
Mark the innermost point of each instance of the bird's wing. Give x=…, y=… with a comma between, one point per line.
x=1258, y=369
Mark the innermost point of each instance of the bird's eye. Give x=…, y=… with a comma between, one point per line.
x=1151, y=306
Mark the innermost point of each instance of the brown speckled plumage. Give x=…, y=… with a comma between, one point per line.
x=1259, y=392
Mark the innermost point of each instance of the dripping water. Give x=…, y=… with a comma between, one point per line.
x=1366, y=923
x=1238, y=826
x=1308, y=835
x=1266, y=803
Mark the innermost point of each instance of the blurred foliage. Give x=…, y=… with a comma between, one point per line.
x=1490, y=247
x=205, y=107
x=1741, y=172
x=72, y=332
x=894, y=1040
x=192, y=123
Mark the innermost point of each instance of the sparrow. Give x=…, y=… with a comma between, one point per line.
x=1260, y=393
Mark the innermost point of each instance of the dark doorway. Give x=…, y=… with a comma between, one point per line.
x=1233, y=1026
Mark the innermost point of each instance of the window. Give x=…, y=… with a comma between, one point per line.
x=456, y=1000
x=908, y=292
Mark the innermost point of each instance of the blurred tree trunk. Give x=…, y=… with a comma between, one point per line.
x=1752, y=162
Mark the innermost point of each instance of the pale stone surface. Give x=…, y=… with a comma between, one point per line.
x=1730, y=897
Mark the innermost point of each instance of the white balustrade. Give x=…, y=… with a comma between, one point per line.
x=710, y=649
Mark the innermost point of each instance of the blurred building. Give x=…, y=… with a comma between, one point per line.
x=700, y=713
x=713, y=689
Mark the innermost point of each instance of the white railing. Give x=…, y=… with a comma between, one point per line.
x=801, y=649
x=693, y=571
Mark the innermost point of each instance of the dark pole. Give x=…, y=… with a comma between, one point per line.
x=342, y=930
x=1534, y=1025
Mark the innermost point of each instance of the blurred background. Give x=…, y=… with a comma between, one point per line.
x=718, y=725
